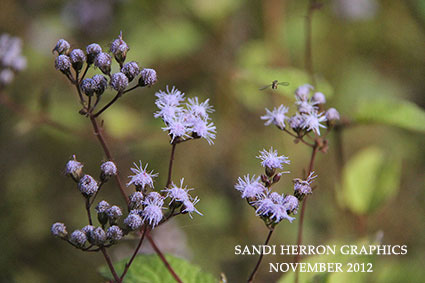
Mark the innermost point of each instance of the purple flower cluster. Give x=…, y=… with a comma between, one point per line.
x=271, y=206
x=308, y=118
x=11, y=60
x=184, y=120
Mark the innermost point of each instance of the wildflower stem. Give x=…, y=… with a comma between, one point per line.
x=127, y=265
x=118, y=95
x=308, y=41
x=162, y=257
x=111, y=266
x=130, y=89
x=254, y=272
x=85, y=71
x=88, y=210
x=298, y=138
x=170, y=167
x=304, y=204
x=77, y=86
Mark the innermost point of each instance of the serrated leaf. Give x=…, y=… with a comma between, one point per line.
x=150, y=269
x=369, y=179
x=394, y=112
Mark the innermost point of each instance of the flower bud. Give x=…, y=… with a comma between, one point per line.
x=303, y=92
x=131, y=70
x=62, y=47
x=100, y=84
x=264, y=178
x=119, y=82
x=78, y=238
x=88, y=86
x=114, y=213
x=270, y=171
x=133, y=221
x=107, y=169
x=103, y=62
x=276, y=178
x=87, y=230
x=332, y=114
x=77, y=59
x=74, y=169
x=59, y=230
x=136, y=200
x=296, y=121
x=114, y=233
x=88, y=186
x=6, y=76
x=148, y=77
x=291, y=204
x=97, y=236
x=92, y=51
x=319, y=98
x=101, y=209
x=119, y=48
x=63, y=64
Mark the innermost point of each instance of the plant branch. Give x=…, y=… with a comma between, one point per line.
x=162, y=257
x=170, y=166
x=111, y=266
x=254, y=272
x=128, y=264
x=118, y=95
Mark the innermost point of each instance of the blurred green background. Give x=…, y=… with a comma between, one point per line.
x=368, y=56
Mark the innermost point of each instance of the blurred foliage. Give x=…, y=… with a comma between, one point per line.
x=370, y=66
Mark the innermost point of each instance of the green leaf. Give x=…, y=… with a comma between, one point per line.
x=394, y=112
x=150, y=269
x=369, y=179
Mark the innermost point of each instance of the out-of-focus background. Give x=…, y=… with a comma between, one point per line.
x=368, y=56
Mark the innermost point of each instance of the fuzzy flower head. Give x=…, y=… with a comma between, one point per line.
x=141, y=177
x=332, y=114
x=266, y=207
x=107, y=169
x=291, y=204
x=306, y=106
x=103, y=62
x=250, y=187
x=131, y=70
x=276, y=117
x=199, y=109
x=59, y=230
x=189, y=206
x=133, y=221
x=102, y=206
x=312, y=122
x=319, y=98
x=178, y=193
x=62, y=47
x=148, y=77
x=114, y=233
x=178, y=128
x=97, y=236
x=100, y=84
x=119, y=48
x=303, y=187
x=169, y=97
x=152, y=213
x=78, y=238
x=204, y=130
x=270, y=159
x=296, y=121
x=302, y=93
x=63, y=64
x=92, y=51
x=119, y=81
x=136, y=200
x=88, y=186
x=114, y=212
x=87, y=230
x=74, y=168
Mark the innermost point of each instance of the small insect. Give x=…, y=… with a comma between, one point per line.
x=274, y=85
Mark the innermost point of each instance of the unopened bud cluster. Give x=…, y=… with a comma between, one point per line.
x=271, y=206
x=11, y=59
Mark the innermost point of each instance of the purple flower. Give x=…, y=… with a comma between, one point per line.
x=119, y=81
x=133, y=221
x=62, y=47
x=131, y=70
x=178, y=128
x=136, y=200
x=276, y=117
x=303, y=92
x=108, y=168
x=102, y=206
x=87, y=230
x=204, y=129
x=148, y=77
x=59, y=230
x=88, y=186
x=312, y=122
x=296, y=121
x=6, y=76
x=77, y=58
x=199, y=109
x=168, y=113
x=178, y=193
x=119, y=48
x=318, y=98
x=152, y=213
x=276, y=198
x=114, y=233
x=142, y=177
x=154, y=198
x=99, y=83
x=270, y=159
x=171, y=97
x=63, y=63
x=92, y=51
x=332, y=114
x=189, y=206
x=303, y=187
x=78, y=238
x=250, y=187
x=305, y=106
x=88, y=86
x=291, y=204
x=267, y=208
x=103, y=62
x=73, y=167
x=97, y=236
x=114, y=212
